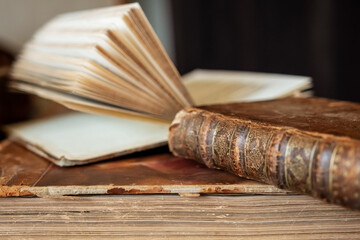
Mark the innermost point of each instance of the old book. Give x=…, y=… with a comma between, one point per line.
x=110, y=62
x=308, y=145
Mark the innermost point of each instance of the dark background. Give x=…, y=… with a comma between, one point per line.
x=316, y=38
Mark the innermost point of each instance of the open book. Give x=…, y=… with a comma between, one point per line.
x=110, y=62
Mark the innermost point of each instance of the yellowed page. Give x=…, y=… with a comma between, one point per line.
x=221, y=86
x=78, y=138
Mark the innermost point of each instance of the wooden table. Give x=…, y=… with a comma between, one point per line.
x=172, y=216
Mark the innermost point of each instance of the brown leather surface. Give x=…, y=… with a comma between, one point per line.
x=310, y=114
x=157, y=171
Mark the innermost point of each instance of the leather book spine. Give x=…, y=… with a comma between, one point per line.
x=322, y=165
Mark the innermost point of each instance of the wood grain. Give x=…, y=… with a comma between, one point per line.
x=171, y=216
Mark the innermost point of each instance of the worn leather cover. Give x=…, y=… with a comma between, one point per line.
x=24, y=173
x=309, y=145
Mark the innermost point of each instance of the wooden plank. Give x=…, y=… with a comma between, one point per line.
x=165, y=216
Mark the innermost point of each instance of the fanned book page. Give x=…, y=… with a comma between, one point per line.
x=106, y=61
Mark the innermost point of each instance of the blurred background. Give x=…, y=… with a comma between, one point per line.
x=317, y=38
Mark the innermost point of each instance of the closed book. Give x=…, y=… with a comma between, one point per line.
x=308, y=145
